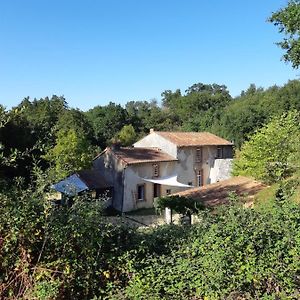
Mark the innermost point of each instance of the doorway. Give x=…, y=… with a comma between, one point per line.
x=156, y=190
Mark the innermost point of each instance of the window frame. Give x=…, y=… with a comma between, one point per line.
x=199, y=178
x=143, y=186
x=155, y=170
x=220, y=153
x=199, y=155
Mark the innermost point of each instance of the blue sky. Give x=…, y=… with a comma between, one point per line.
x=93, y=52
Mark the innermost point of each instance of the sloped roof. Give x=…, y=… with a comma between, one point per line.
x=185, y=139
x=139, y=155
x=70, y=186
x=81, y=181
x=93, y=179
x=217, y=193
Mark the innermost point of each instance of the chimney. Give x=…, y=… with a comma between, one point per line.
x=151, y=130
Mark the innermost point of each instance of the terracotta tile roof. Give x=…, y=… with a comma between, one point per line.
x=217, y=193
x=141, y=155
x=184, y=139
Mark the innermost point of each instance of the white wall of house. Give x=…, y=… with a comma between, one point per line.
x=221, y=170
x=155, y=140
x=133, y=178
x=188, y=167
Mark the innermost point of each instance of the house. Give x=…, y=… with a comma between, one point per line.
x=163, y=163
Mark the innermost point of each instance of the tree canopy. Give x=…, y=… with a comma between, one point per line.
x=268, y=155
x=287, y=20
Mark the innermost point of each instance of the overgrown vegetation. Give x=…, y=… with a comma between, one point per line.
x=75, y=253
x=269, y=155
x=50, y=252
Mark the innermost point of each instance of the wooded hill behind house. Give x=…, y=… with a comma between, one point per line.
x=68, y=139
x=73, y=252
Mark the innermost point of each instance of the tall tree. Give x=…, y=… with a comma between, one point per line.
x=107, y=121
x=127, y=135
x=71, y=153
x=77, y=120
x=268, y=154
x=288, y=21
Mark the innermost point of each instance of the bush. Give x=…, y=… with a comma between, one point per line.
x=238, y=253
x=57, y=253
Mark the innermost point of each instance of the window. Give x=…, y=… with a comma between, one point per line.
x=155, y=170
x=200, y=178
x=219, y=152
x=199, y=155
x=141, y=192
x=168, y=192
x=190, y=183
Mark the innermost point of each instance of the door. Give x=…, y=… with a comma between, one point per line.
x=156, y=190
x=199, y=178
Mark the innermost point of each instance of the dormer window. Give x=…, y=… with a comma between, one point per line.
x=199, y=155
x=155, y=170
x=219, y=152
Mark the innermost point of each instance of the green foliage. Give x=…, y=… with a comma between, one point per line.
x=287, y=20
x=178, y=204
x=266, y=156
x=127, y=135
x=49, y=252
x=76, y=120
x=71, y=153
x=254, y=108
x=238, y=254
x=198, y=109
x=107, y=121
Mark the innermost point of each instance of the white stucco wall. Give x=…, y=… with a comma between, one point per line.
x=220, y=170
x=155, y=140
x=133, y=177
x=188, y=167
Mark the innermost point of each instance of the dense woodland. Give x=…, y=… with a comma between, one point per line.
x=48, y=133
x=49, y=252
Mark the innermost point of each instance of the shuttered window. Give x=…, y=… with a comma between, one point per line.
x=199, y=155
x=155, y=170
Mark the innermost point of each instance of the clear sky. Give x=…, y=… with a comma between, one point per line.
x=96, y=51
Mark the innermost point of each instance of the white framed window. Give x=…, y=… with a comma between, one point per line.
x=141, y=192
x=198, y=157
x=168, y=191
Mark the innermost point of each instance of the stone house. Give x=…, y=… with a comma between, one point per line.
x=162, y=163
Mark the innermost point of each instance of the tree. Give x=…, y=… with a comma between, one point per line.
x=71, y=153
x=168, y=97
x=77, y=120
x=127, y=135
x=287, y=20
x=267, y=155
x=42, y=116
x=107, y=121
